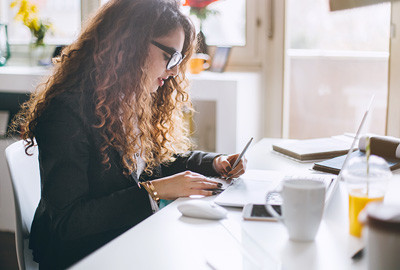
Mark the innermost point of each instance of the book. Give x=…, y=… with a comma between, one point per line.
x=383, y=146
x=314, y=149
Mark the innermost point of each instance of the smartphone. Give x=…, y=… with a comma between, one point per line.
x=258, y=212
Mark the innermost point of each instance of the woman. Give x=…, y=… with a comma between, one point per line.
x=108, y=127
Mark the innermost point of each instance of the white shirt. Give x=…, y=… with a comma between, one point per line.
x=140, y=165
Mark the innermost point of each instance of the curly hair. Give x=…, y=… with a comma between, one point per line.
x=106, y=66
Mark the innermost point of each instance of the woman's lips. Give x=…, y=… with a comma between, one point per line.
x=160, y=82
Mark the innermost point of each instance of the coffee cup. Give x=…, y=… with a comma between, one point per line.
x=383, y=235
x=198, y=63
x=302, y=207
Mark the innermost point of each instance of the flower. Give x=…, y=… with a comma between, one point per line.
x=199, y=8
x=28, y=14
x=198, y=3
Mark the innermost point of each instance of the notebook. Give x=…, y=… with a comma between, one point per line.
x=383, y=146
x=314, y=149
x=253, y=186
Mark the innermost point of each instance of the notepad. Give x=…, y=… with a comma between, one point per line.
x=314, y=149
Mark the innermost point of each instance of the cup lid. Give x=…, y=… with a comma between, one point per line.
x=383, y=217
x=359, y=169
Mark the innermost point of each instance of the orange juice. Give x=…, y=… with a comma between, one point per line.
x=357, y=202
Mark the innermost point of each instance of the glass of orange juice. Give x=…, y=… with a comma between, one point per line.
x=366, y=181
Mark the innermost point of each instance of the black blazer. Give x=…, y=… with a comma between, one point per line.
x=83, y=204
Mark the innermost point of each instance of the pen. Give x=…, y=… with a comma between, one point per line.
x=358, y=255
x=241, y=155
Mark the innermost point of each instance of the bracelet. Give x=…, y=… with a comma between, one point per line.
x=149, y=187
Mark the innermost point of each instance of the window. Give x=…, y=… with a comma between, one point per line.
x=240, y=17
x=227, y=27
x=334, y=63
x=65, y=16
x=234, y=25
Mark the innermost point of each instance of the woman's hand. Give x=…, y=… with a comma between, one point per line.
x=223, y=165
x=184, y=184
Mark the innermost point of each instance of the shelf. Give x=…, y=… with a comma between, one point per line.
x=21, y=79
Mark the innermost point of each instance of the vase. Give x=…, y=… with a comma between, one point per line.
x=38, y=55
x=4, y=45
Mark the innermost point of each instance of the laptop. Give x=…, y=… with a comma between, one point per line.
x=253, y=186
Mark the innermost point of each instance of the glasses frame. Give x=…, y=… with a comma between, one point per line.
x=171, y=52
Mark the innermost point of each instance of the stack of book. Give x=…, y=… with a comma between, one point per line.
x=382, y=146
x=332, y=151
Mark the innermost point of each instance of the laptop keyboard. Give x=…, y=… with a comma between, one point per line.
x=275, y=197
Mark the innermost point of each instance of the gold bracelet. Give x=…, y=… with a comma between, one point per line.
x=149, y=187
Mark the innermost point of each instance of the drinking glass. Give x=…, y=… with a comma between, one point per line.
x=366, y=181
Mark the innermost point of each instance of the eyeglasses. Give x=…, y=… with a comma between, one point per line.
x=176, y=57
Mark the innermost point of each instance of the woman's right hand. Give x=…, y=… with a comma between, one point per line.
x=184, y=184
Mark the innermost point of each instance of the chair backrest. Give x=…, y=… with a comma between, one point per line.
x=25, y=178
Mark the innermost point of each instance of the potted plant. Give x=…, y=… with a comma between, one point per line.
x=200, y=9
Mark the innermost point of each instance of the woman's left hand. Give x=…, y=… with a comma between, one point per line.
x=223, y=165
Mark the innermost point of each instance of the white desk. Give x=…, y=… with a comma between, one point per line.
x=168, y=240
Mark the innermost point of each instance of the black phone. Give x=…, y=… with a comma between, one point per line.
x=258, y=212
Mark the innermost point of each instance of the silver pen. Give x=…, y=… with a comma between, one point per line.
x=240, y=157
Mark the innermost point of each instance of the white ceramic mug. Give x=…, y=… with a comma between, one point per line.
x=302, y=207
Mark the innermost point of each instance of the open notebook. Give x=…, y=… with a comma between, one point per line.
x=253, y=186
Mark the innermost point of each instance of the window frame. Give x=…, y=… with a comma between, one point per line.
x=393, y=110
x=273, y=71
x=248, y=57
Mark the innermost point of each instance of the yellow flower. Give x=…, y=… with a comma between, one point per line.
x=34, y=24
x=24, y=7
x=34, y=9
x=28, y=14
x=13, y=4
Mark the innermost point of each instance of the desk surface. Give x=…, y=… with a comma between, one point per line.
x=167, y=240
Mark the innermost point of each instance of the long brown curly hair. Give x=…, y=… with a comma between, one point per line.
x=107, y=66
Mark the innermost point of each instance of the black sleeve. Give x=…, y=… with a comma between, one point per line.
x=72, y=207
x=196, y=161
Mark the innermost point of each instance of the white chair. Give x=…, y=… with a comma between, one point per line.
x=25, y=178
